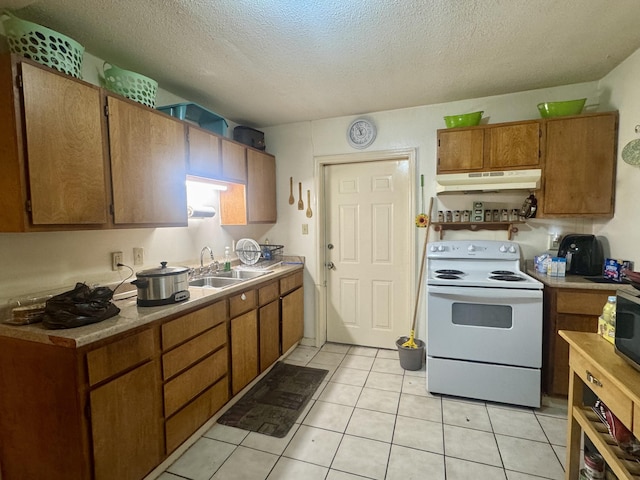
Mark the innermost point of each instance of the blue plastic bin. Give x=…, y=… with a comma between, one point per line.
x=193, y=112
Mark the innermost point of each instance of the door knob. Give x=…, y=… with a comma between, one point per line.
x=330, y=265
x=330, y=246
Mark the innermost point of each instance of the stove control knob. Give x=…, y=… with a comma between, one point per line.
x=503, y=248
x=434, y=248
x=471, y=248
x=441, y=248
x=512, y=249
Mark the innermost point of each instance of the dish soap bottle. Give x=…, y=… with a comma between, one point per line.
x=227, y=259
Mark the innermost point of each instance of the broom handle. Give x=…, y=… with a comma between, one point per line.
x=424, y=254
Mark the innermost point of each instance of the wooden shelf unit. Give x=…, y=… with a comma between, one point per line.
x=510, y=227
x=593, y=363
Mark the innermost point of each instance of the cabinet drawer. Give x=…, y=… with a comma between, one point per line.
x=582, y=302
x=184, y=423
x=119, y=356
x=291, y=282
x=184, y=387
x=242, y=302
x=183, y=328
x=268, y=293
x=618, y=402
x=180, y=358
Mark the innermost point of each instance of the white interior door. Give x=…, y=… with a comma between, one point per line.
x=368, y=246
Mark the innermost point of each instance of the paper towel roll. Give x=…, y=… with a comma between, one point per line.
x=201, y=212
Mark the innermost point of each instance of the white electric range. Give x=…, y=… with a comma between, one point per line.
x=484, y=323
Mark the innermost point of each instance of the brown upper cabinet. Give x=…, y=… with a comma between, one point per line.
x=579, y=171
x=148, y=165
x=255, y=203
x=54, y=162
x=212, y=156
x=489, y=147
x=204, y=153
x=66, y=165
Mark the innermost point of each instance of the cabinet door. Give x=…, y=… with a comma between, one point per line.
x=244, y=350
x=513, y=146
x=204, y=154
x=127, y=425
x=269, y=317
x=460, y=150
x=234, y=162
x=292, y=318
x=560, y=354
x=64, y=145
x=148, y=165
x=580, y=166
x=261, y=187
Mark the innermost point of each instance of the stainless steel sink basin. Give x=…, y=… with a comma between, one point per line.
x=241, y=274
x=214, y=282
x=225, y=279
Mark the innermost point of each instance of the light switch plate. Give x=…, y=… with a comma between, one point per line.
x=305, y=229
x=138, y=256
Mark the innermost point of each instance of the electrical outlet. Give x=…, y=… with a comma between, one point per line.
x=116, y=258
x=305, y=229
x=138, y=256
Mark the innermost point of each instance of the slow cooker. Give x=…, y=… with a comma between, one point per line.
x=162, y=286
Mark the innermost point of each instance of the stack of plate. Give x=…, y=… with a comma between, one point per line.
x=248, y=251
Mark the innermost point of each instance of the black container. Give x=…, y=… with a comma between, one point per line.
x=249, y=136
x=583, y=253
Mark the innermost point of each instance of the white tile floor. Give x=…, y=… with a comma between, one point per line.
x=373, y=420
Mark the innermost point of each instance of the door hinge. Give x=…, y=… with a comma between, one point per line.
x=106, y=110
x=19, y=80
x=27, y=205
x=438, y=142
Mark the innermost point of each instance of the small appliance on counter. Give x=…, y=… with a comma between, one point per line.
x=583, y=252
x=162, y=286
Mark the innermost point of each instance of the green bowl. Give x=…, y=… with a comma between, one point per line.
x=560, y=109
x=465, y=120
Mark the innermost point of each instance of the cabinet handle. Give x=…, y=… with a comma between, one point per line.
x=243, y=296
x=593, y=379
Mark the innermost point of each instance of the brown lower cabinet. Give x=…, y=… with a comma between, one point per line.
x=566, y=309
x=118, y=407
x=292, y=310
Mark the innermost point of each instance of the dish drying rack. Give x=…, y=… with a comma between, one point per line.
x=269, y=256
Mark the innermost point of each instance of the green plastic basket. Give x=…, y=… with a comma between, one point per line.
x=43, y=45
x=130, y=84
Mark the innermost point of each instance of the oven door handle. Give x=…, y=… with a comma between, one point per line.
x=470, y=294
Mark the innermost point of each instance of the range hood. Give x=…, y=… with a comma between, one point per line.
x=488, y=181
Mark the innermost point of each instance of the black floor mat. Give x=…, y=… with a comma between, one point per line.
x=274, y=404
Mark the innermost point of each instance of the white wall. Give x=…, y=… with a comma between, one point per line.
x=296, y=146
x=620, y=91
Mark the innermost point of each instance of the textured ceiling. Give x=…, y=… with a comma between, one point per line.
x=270, y=62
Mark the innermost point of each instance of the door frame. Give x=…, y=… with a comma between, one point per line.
x=320, y=162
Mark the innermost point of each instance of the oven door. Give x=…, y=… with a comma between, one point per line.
x=491, y=325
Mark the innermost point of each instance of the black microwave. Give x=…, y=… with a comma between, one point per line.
x=627, y=333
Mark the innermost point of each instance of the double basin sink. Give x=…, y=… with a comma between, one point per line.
x=224, y=279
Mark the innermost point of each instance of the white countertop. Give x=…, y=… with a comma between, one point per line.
x=131, y=316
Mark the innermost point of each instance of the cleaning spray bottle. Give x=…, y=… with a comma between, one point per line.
x=227, y=259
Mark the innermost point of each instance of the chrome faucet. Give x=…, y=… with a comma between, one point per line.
x=204, y=249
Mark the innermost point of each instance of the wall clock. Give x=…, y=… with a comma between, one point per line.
x=361, y=133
